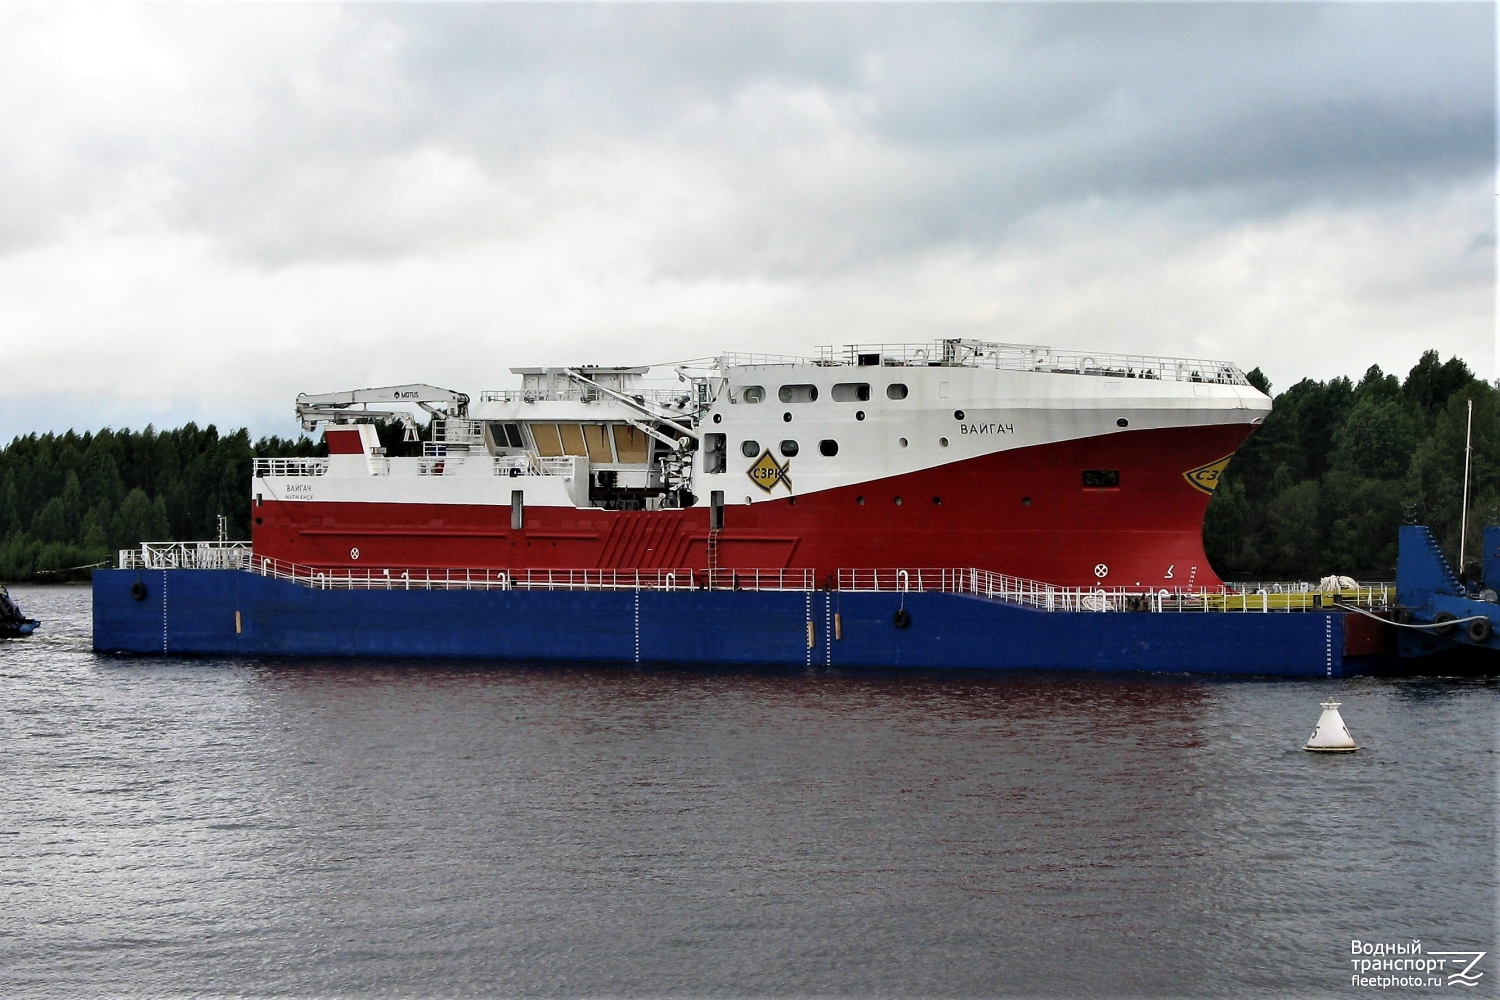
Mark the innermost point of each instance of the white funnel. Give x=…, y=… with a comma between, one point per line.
x=1331, y=735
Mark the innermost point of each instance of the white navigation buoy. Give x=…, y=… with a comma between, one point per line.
x=1331, y=735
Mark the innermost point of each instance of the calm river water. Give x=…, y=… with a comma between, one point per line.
x=204, y=828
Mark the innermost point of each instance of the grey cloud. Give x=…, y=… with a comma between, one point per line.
x=973, y=117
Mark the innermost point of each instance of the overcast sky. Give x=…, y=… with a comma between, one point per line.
x=207, y=209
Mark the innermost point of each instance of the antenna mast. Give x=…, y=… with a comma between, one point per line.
x=1463, y=518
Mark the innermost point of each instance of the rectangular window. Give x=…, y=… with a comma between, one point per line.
x=631, y=444
x=715, y=457
x=548, y=444
x=1101, y=479
x=572, y=439
x=506, y=435
x=596, y=437
x=716, y=510
x=517, y=510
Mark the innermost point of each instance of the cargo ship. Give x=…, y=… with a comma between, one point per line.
x=958, y=504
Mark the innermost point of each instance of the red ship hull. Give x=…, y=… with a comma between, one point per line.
x=1023, y=512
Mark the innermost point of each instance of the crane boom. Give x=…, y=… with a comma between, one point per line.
x=333, y=407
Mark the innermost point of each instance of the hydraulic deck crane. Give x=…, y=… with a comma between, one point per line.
x=338, y=407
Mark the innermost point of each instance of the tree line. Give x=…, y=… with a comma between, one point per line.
x=1338, y=466
x=1320, y=488
x=71, y=500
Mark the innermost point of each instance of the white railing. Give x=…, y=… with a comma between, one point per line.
x=577, y=392
x=345, y=578
x=447, y=465
x=531, y=465
x=739, y=359
x=423, y=578
x=187, y=555
x=457, y=431
x=1029, y=357
x=976, y=582
x=436, y=464
x=757, y=579
x=1049, y=597
x=265, y=467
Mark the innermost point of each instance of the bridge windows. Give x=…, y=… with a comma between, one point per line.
x=633, y=447
x=601, y=443
x=851, y=392
x=750, y=449
x=596, y=439
x=572, y=440
x=896, y=390
x=506, y=435
x=802, y=393
x=548, y=444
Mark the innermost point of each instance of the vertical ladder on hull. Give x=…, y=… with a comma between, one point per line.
x=715, y=527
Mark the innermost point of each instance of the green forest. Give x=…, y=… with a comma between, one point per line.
x=1320, y=488
x=1323, y=485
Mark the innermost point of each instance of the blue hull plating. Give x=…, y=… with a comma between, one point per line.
x=229, y=612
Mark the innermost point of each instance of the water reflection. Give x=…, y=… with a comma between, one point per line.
x=336, y=827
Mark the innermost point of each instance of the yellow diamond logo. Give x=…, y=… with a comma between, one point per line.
x=1206, y=477
x=766, y=473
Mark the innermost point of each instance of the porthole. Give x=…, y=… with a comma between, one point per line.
x=895, y=391
x=1122, y=422
x=786, y=418
x=943, y=442
x=898, y=501
x=788, y=448
x=828, y=448
x=860, y=501
x=902, y=442
x=750, y=449
x=937, y=501
x=958, y=414
x=718, y=418
x=1026, y=501
x=859, y=414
